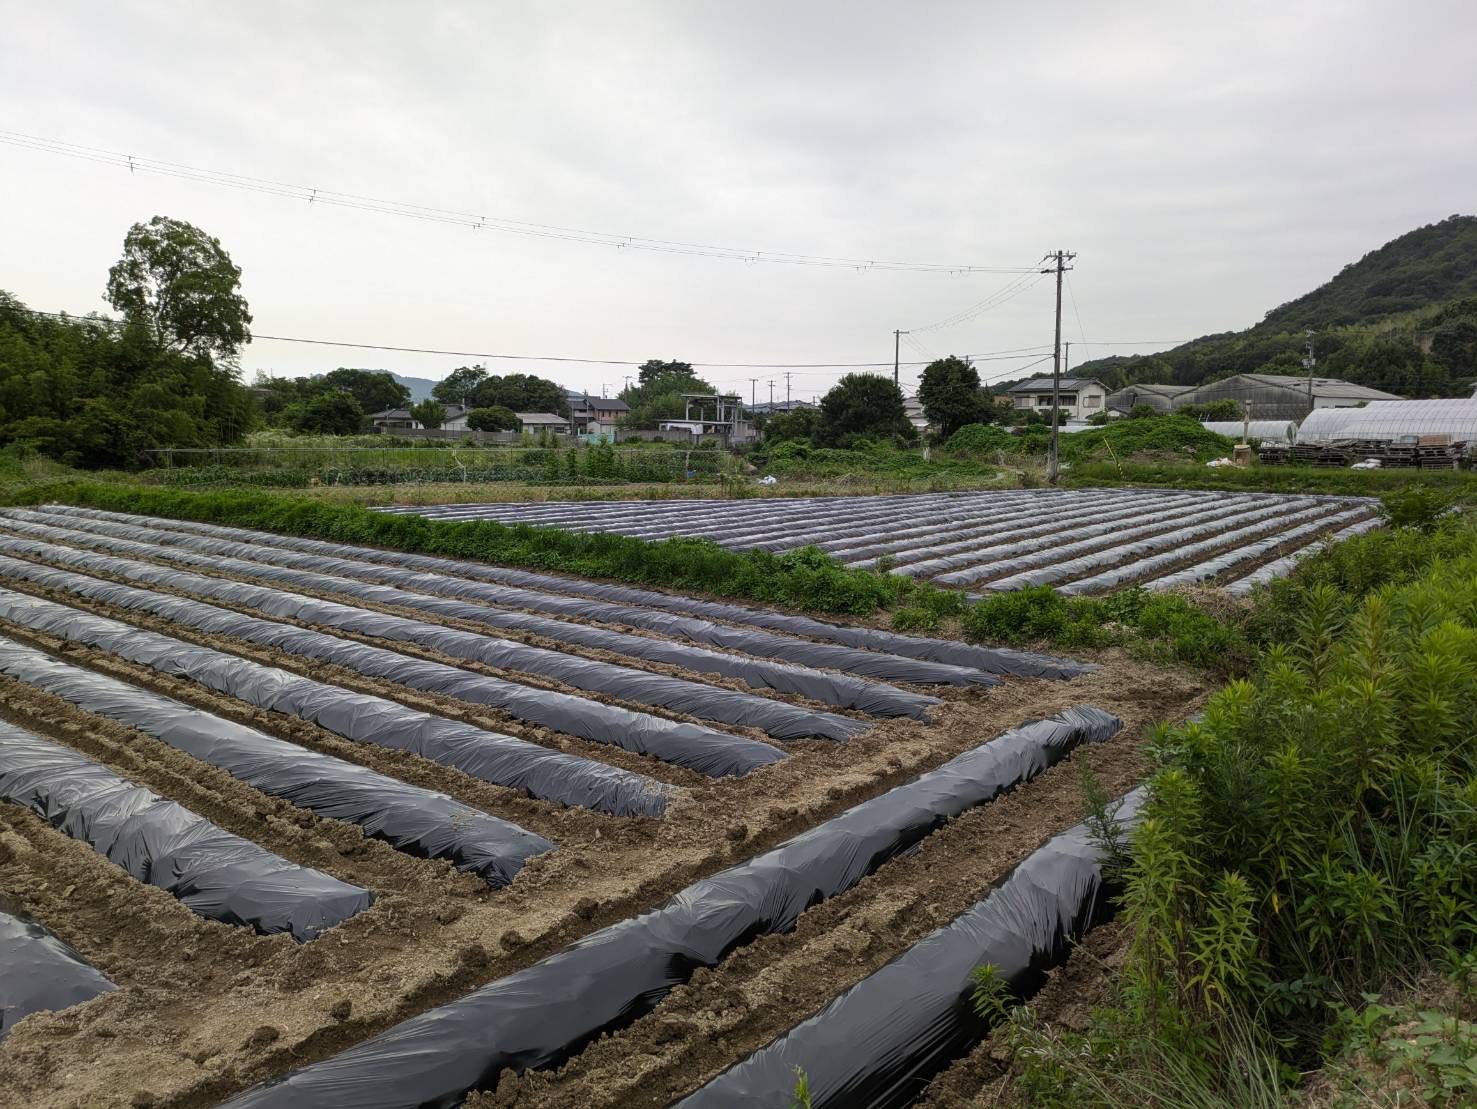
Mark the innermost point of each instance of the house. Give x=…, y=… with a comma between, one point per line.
x=1282, y=397
x=913, y=409
x=400, y=419
x=595, y=415
x=1078, y=397
x=1161, y=398
x=540, y=421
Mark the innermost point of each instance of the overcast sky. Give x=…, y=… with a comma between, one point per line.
x=1205, y=161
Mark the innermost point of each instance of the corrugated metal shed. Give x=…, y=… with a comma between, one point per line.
x=1158, y=397
x=1281, y=397
x=1395, y=421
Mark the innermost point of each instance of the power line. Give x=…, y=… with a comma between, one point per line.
x=472, y=220
x=1006, y=292
x=802, y=367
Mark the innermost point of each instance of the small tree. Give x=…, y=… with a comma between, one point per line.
x=182, y=285
x=950, y=392
x=863, y=405
x=496, y=418
x=428, y=413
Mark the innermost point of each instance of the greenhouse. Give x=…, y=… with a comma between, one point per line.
x=1267, y=431
x=1421, y=422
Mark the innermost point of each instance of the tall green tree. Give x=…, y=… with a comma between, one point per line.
x=375, y=390
x=492, y=419
x=950, y=393
x=181, y=284
x=521, y=393
x=863, y=406
x=657, y=394
x=459, y=386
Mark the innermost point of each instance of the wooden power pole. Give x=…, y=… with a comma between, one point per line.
x=1059, y=260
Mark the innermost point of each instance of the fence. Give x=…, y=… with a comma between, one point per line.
x=556, y=461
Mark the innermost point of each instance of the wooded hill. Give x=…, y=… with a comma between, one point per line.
x=1403, y=318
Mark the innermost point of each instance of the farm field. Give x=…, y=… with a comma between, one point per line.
x=1079, y=541
x=440, y=818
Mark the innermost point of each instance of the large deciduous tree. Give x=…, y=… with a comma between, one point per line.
x=180, y=283
x=459, y=386
x=950, y=393
x=521, y=393
x=375, y=390
x=863, y=406
x=492, y=419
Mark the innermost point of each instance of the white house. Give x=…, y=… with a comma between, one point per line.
x=541, y=421
x=400, y=419
x=1078, y=397
x=913, y=409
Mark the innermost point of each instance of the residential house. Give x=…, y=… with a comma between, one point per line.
x=1078, y=397
x=541, y=421
x=400, y=419
x=595, y=415
x=913, y=409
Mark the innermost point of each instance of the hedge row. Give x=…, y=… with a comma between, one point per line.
x=801, y=579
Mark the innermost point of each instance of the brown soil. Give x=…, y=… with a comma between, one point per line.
x=188, y=1024
x=1083, y=983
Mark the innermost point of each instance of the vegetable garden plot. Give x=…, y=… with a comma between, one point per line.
x=701, y=749
x=499, y=759
x=213, y=872
x=38, y=972
x=869, y=641
x=538, y=1017
x=954, y=539
x=419, y=821
x=880, y=1042
x=577, y=942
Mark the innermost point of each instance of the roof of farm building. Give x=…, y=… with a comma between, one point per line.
x=1155, y=389
x=1043, y=384
x=1324, y=388
x=1455, y=419
x=539, y=418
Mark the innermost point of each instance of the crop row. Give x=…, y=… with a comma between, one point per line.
x=1080, y=541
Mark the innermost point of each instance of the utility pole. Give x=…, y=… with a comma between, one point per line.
x=1059, y=258
x=753, y=391
x=771, y=396
x=787, y=390
x=1067, y=356
x=897, y=339
x=1308, y=363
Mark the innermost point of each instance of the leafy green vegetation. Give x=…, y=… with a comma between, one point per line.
x=1402, y=319
x=91, y=392
x=1305, y=844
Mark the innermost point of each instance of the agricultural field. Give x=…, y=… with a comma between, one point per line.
x=292, y=822
x=1079, y=541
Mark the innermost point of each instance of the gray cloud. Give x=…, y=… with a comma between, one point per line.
x=1206, y=161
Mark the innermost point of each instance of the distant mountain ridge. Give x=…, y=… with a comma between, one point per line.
x=1403, y=318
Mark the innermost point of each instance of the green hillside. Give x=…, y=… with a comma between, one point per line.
x=1403, y=318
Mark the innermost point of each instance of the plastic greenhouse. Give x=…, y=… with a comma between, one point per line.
x=1396, y=421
